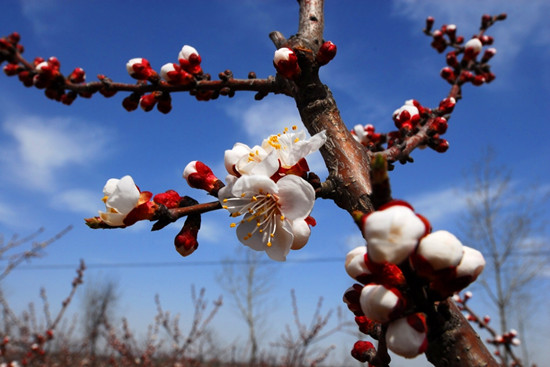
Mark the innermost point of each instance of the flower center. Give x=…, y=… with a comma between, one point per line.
x=261, y=209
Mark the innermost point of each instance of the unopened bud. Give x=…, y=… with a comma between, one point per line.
x=199, y=176
x=286, y=63
x=327, y=51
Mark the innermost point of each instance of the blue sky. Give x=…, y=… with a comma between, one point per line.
x=55, y=159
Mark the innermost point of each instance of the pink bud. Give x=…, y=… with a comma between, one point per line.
x=199, y=176
x=286, y=63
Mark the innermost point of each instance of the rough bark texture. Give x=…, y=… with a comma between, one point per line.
x=453, y=342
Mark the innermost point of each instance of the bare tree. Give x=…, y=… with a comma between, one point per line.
x=248, y=282
x=502, y=220
x=98, y=305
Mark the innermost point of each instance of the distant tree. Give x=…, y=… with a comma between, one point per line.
x=98, y=306
x=503, y=221
x=248, y=280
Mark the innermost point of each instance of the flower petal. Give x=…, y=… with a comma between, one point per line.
x=301, y=232
x=247, y=186
x=296, y=197
x=125, y=195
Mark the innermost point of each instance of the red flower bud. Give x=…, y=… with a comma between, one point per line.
x=170, y=199
x=363, y=351
x=286, y=63
x=327, y=51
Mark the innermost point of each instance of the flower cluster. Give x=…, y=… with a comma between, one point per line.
x=403, y=260
x=266, y=186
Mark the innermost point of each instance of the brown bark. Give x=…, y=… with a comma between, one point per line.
x=452, y=342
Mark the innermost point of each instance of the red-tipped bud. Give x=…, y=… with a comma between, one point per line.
x=199, y=176
x=478, y=80
x=363, y=351
x=68, y=98
x=429, y=24
x=488, y=54
x=451, y=32
x=140, y=69
x=327, y=51
x=174, y=74
x=165, y=103
x=190, y=60
x=170, y=199
x=12, y=69
x=448, y=74
x=438, y=252
x=381, y=304
x=77, y=76
x=186, y=240
x=439, y=125
x=407, y=336
x=451, y=59
x=147, y=102
x=131, y=103
x=472, y=48
x=447, y=105
x=286, y=63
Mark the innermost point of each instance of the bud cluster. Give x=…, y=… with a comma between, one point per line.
x=409, y=119
x=404, y=267
x=463, y=62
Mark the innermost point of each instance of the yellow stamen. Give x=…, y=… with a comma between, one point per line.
x=282, y=217
x=105, y=198
x=225, y=200
x=233, y=225
x=254, y=198
x=225, y=207
x=294, y=127
x=269, y=244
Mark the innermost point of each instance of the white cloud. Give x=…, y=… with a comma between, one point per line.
x=38, y=148
x=266, y=117
x=78, y=201
x=40, y=14
x=436, y=205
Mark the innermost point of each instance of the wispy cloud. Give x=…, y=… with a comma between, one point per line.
x=440, y=206
x=34, y=149
x=40, y=14
x=78, y=201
